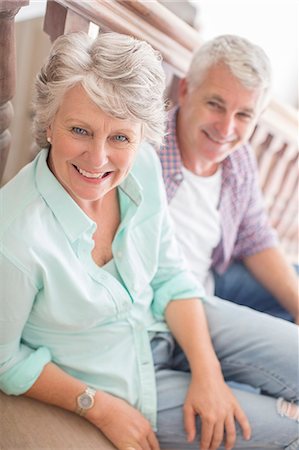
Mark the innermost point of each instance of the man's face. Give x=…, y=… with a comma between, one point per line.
x=215, y=117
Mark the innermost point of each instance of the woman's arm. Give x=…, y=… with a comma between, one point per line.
x=208, y=395
x=123, y=425
x=20, y=364
x=28, y=371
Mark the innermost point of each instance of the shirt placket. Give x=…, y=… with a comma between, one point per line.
x=147, y=395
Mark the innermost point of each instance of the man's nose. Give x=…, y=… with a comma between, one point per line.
x=226, y=126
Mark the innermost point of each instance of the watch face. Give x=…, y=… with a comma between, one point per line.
x=85, y=401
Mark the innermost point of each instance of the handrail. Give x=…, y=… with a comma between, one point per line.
x=120, y=18
x=164, y=20
x=172, y=37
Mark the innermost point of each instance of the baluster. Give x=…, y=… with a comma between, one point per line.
x=8, y=10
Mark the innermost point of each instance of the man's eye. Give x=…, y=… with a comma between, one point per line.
x=245, y=116
x=78, y=130
x=214, y=105
x=120, y=138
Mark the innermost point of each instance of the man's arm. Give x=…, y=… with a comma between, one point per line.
x=273, y=271
x=208, y=396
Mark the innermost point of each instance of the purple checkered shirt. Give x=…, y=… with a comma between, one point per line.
x=245, y=228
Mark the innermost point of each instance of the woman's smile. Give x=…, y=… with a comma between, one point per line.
x=92, y=176
x=91, y=152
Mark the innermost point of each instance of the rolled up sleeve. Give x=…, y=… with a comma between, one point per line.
x=20, y=365
x=173, y=280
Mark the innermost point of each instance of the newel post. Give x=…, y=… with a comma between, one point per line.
x=8, y=10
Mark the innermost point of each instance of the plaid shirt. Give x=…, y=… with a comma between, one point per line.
x=245, y=228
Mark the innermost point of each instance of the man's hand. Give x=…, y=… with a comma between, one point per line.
x=218, y=409
x=208, y=396
x=122, y=424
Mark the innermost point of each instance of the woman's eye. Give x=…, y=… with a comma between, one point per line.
x=120, y=138
x=78, y=130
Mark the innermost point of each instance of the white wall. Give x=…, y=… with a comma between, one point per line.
x=36, y=8
x=272, y=24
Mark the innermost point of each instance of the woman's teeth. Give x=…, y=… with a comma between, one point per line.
x=89, y=174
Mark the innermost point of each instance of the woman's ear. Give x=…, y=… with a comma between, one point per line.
x=49, y=134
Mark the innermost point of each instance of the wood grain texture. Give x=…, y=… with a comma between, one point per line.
x=8, y=10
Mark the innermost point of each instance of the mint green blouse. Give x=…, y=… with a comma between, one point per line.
x=58, y=305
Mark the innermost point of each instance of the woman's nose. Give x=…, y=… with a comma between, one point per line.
x=98, y=153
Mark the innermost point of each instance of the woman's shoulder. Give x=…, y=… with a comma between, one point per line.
x=147, y=164
x=148, y=172
x=17, y=195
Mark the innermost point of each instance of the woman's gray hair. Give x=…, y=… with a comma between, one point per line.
x=122, y=75
x=246, y=61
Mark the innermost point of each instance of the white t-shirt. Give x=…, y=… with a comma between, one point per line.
x=197, y=222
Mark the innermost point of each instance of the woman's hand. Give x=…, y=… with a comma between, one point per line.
x=122, y=424
x=218, y=409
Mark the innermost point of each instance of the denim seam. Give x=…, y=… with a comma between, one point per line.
x=276, y=378
x=293, y=446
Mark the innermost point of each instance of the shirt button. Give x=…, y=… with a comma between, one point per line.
x=178, y=176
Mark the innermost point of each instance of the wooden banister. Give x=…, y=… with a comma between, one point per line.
x=8, y=10
x=120, y=18
x=275, y=142
x=60, y=20
x=164, y=20
x=275, y=139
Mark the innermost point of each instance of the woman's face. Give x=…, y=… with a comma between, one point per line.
x=91, y=152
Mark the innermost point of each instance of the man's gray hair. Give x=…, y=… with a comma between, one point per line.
x=247, y=62
x=122, y=75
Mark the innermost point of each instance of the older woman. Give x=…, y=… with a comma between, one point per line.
x=95, y=288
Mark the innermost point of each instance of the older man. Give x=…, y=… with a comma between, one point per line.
x=211, y=179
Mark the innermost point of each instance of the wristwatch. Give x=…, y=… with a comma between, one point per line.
x=85, y=401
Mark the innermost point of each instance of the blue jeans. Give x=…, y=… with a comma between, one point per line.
x=239, y=286
x=253, y=348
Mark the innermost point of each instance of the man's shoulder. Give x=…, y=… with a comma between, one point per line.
x=242, y=160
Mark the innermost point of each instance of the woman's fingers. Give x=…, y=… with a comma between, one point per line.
x=149, y=442
x=153, y=441
x=144, y=445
